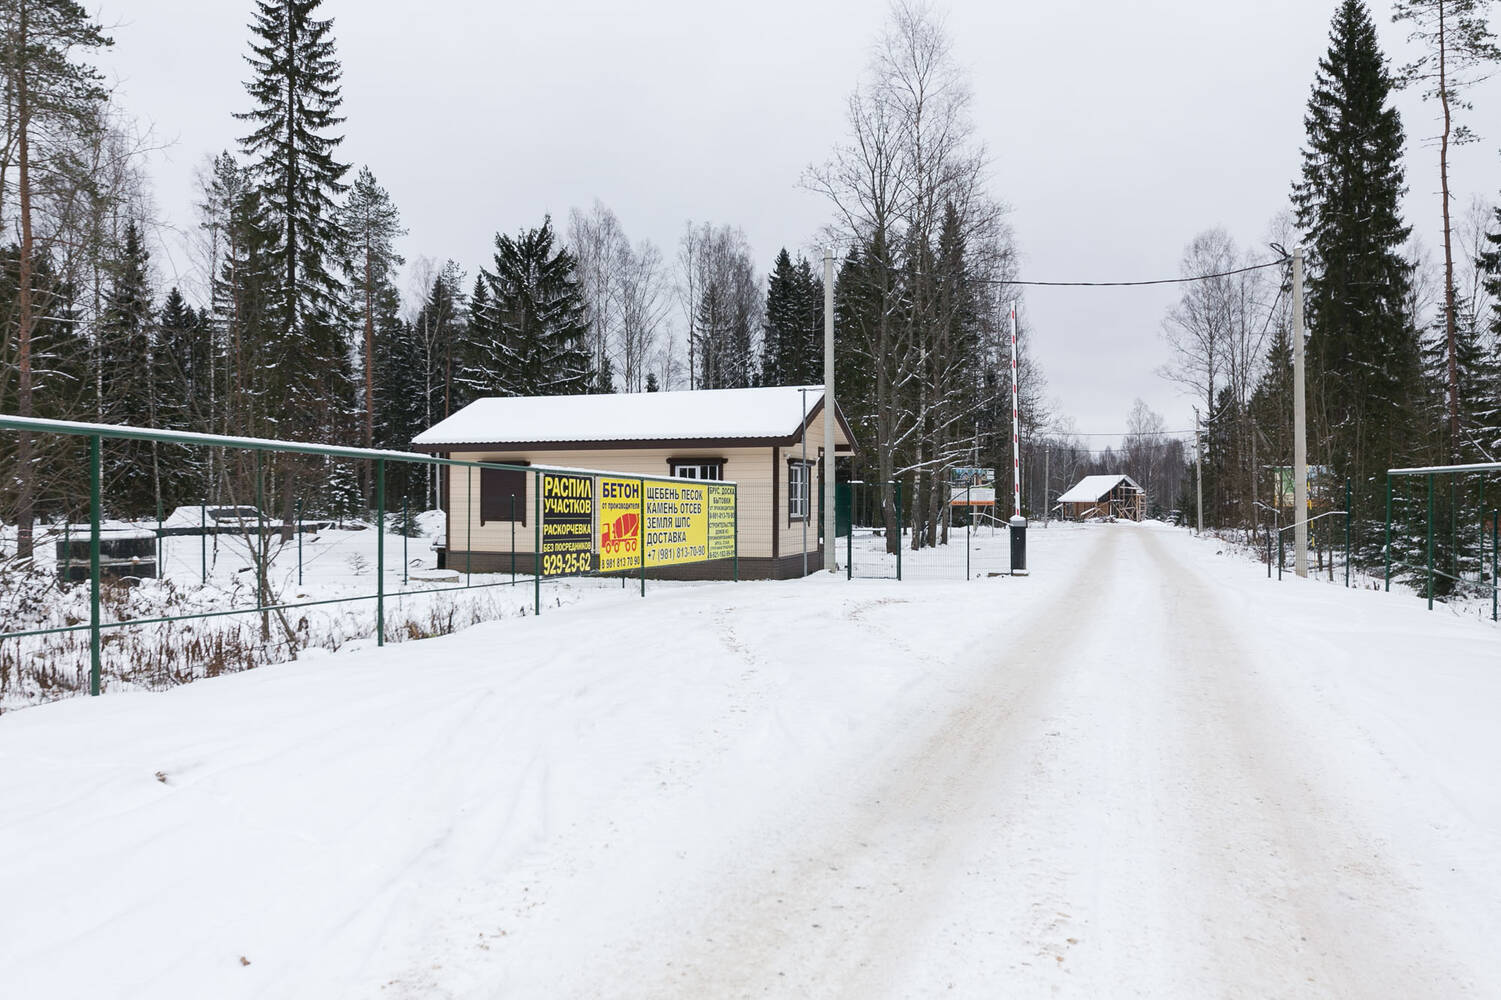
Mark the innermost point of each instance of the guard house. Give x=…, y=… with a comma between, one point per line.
x=753, y=437
x=1104, y=496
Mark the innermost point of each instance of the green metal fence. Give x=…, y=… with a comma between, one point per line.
x=1466, y=489
x=380, y=463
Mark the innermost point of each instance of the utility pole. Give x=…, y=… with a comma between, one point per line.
x=807, y=484
x=1047, y=461
x=1199, y=468
x=1300, y=427
x=829, y=410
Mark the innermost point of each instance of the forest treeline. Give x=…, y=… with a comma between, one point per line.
x=1403, y=368
x=303, y=333
x=311, y=325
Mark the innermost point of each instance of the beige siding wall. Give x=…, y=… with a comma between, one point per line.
x=759, y=506
x=750, y=468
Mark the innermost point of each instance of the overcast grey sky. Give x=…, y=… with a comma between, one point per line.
x=1117, y=131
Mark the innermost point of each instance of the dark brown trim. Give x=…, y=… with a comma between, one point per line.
x=695, y=460
x=776, y=522
x=811, y=463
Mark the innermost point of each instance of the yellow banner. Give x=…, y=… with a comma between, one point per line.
x=674, y=522
x=676, y=526
x=721, y=521
x=619, y=506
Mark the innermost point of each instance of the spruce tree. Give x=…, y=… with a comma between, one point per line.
x=129, y=393
x=1365, y=378
x=530, y=335
x=651, y=382
x=295, y=92
x=782, y=316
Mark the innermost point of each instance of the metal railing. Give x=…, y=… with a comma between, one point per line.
x=97, y=434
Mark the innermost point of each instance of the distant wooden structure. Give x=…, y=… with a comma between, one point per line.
x=1104, y=496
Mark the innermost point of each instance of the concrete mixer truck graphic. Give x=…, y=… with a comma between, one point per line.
x=622, y=536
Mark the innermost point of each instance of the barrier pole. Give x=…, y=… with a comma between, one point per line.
x=1430, y=541
x=1347, y=532
x=1388, y=532
x=96, y=445
x=898, y=529
x=380, y=551
x=537, y=551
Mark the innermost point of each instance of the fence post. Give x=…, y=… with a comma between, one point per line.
x=537, y=550
x=67, y=548
x=380, y=551
x=1388, y=532
x=969, y=525
x=849, y=540
x=1347, y=532
x=261, y=548
x=513, y=538
x=161, y=548
x=203, y=541
x=641, y=530
x=469, y=525
x=1281, y=544
x=1430, y=541
x=1269, y=553
x=96, y=444
x=298, y=516
x=1495, y=516
x=736, y=535
x=406, y=531
x=898, y=529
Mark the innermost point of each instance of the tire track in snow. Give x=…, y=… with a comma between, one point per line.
x=1293, y=897
x=836, y=916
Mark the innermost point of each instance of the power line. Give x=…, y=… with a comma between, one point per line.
x=1135, y=284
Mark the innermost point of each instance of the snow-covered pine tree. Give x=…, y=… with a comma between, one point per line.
x=780, y=333
x=530, y=339
x=1365, y=377
x=294, y=89
x=183, y=361
x=370, y=225
x=651, y=382
x=130, y=469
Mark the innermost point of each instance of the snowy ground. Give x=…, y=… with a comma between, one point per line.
x=1143, y=771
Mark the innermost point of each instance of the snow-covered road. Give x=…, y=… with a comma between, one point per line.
x=1144, y=771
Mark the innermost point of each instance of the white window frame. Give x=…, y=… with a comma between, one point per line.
x=698, y=470
x=799, y=474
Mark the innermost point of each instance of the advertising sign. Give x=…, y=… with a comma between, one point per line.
x=671, y=522
x=619, y=524
x=567, y=524
x=721, y=533
x=676, y=528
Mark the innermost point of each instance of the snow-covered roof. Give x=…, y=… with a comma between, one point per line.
x=1092, y=488
x=703, y=414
